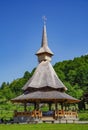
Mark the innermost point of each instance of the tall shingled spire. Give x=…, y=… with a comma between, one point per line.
x=44, y=86
x=44, y=37
x=44, y=53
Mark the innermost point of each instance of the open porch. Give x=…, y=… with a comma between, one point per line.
x=49, y=116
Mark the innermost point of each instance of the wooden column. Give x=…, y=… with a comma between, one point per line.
x=25, y=106
x=50, y=106
x=62, y=106
x=65, y=107
x=56, y=106
x=35, y=106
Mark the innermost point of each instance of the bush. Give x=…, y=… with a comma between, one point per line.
x=83, y=115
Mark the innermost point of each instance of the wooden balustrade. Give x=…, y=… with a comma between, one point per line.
x=31, y=114
x=65, y=114
x=58, y=113
x=37, y=113
x=22, y=114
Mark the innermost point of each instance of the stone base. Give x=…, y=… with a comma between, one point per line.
x=25, y=119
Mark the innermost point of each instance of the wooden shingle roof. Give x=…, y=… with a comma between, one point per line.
x=44, y=46
x=44, y=85
x=44, y=76
x=49, y=96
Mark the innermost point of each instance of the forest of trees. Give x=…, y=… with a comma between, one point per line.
x=73, y=73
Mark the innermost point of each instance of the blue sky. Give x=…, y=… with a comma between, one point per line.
x=21, y=33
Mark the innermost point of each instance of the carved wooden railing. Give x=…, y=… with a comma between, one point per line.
x=65, y=114
x=38, y=114
x=34, y=113
x=22, y=114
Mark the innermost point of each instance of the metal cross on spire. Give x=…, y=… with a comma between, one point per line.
x=44, y=19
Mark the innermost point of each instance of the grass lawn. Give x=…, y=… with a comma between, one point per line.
x=44, y=127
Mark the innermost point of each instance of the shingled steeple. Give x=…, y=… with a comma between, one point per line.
x=44, y=53
x=44, y=75
x=44, y=86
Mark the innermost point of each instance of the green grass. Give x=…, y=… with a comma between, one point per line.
x=44, y=127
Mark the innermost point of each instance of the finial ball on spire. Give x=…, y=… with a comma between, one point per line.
x=44, y=19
